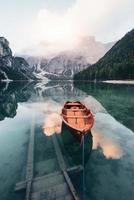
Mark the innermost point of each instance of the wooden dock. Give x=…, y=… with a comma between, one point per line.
x=57, y=185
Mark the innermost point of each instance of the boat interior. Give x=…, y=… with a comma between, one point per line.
x=77, y=115
x=76, y=105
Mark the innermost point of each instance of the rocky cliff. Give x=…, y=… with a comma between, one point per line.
x=62, y=66
x=12, y=68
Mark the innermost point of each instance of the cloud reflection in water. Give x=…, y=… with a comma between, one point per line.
x=105, y=130
x=52, y=124
x=110, y=148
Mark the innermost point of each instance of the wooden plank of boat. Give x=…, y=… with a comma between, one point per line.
x=77, y=117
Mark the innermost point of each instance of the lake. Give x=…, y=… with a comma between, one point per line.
x=34, y=108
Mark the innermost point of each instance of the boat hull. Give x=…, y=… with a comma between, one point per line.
x=74, y=132
x=79, y=152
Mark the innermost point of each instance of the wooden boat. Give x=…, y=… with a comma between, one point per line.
x=78, y=118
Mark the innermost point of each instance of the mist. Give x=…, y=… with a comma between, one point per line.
x=54, y=31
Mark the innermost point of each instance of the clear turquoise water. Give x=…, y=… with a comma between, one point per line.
x=109, y=172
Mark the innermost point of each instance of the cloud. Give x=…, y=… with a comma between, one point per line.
x=107, y=20
x=85, y=17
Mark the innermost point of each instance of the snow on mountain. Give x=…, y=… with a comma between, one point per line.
x=64, y=64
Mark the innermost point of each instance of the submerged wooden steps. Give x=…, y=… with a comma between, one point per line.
x=56, y=185
x=54, y=192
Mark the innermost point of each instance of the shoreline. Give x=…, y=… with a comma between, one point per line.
x=119, y=81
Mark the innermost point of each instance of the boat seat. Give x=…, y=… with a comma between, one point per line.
x=74, y=116
x=74, y=107
x=78, y=109
x=73, y=104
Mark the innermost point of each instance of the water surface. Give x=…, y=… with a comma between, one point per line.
x=109, y=172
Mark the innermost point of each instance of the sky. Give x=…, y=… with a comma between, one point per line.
x=26, y=23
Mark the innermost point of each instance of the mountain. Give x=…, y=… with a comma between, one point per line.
x=12, y=68
x=61, y=66
x=64, y=64
x=92, y=49
x=85, y=46
x=117, y=63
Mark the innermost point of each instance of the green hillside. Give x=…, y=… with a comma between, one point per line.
x=117, y=63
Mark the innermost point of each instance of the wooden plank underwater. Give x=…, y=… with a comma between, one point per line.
x=56, y=185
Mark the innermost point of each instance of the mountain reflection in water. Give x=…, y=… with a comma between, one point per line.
x=109, y=171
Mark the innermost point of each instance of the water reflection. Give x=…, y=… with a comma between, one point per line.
x=52, y=124
x=102, y=133
x=104, y=130
x=110, y=148
x=10, y=95
x=110, y=166
x=117, y=99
